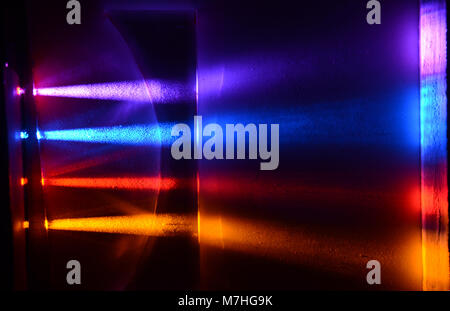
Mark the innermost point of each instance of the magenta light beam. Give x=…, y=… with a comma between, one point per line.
x=138, y=91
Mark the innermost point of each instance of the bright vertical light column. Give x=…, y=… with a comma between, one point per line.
x=433, y=118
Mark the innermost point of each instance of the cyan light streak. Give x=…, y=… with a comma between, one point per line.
x=153, y=134
x=23, y=135
x=137, y=91
x=38, y=135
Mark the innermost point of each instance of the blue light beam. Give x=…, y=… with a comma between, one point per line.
x=127, y=135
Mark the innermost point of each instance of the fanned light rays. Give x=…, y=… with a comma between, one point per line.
x=88, y=162
x=132, y=135
x=127, y=183
x=137, y=91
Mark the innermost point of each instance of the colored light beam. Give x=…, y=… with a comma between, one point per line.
x=146, y=224
x=132, y=135
x=266, y=239
x=38, y=135
x=87, y=163
x=433, y=118
x=20, y=91
x=137, y=91
x=23, y=135
x=145, y=183
x=320, y=248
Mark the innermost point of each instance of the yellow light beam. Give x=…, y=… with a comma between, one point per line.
x=145, y=224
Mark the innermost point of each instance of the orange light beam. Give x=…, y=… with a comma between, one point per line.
x=145, y=224
x=146, y=183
